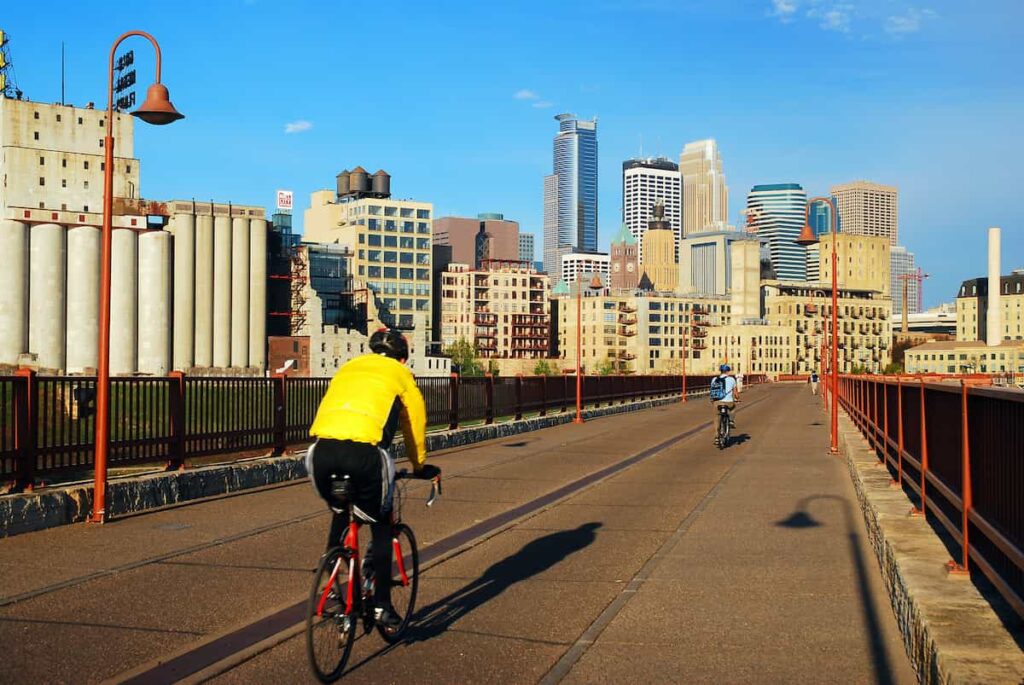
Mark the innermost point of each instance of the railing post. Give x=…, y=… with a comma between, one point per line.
x=966, y=496
x=565, y=392
x=899, y=431
x=923, y=510
x=176, y=390
x=25, y=429
x=519, y=396
x=280, y=412
x=488, y=398
x=453, y=402
x=885, y=421
x=544, y=395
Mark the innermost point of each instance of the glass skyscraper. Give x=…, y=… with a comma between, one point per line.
x=776, y=213
x=570, y=193
x=820, y=220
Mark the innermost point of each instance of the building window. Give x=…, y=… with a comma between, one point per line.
x=42, y=181
x=101, y=123
x=58, y=117
x=128, y=169
x=63, y=183
x=35, y=135
x=79, y=120
x=64, y=164
x=85, y=208
x=85, y=165
x=35, y=115
x=86, y=185
x=42, y=161
x=101, y=142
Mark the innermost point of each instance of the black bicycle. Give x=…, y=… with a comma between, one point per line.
x=724, y=427
x=342, y=592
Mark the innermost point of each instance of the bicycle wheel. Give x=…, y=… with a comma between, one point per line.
x=405, y=580
x=723, y=431
x=329, y=631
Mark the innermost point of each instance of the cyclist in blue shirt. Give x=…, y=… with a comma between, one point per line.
x=732, y=392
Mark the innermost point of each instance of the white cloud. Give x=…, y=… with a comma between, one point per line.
x=525, y=94
x=298, y=126
x=910, y=22
x=784, y=9
x=836, y=19
x=543, y=104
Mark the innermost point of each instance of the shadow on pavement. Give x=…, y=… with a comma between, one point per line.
x=535, y=557
x=801, y=519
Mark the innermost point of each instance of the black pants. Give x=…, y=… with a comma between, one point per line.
x=363, y=464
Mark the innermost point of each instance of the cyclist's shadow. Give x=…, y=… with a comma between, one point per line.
x=535, y=557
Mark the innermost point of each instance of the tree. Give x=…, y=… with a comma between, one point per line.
x=463, y=356
x=898, y=348
x=605, y=367
x=892, y=367
x=543, y=368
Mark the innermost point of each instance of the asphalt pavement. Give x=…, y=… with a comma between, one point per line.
x=628, y=549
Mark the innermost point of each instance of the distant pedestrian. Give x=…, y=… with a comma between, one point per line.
x=813, y=380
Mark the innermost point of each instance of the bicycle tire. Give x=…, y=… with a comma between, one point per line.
x=329, y=637
x=723, y=431
x=403, y=597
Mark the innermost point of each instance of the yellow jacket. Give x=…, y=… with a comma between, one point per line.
x=363, y=401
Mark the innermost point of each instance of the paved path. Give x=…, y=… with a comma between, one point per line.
x=687, y=565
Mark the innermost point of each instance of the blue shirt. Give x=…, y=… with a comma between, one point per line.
x=730, y=385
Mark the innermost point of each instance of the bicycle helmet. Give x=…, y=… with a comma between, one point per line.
x=390, y=343
x=725, y=368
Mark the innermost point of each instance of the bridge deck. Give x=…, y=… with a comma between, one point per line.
x=686, y=564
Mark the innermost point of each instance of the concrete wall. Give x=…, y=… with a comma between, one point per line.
x=47, y=273
x=154, y=303
x=204, y=291
x=183, y=228
x=258, y=293
x=14, y=245
x=221, y=292
x=124, y=299
x=239, y=292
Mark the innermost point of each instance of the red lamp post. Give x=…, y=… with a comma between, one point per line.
x=808, y=238
x=158, y=110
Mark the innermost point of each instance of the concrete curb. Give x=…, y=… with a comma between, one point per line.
x=62, y=506
x=950, y=630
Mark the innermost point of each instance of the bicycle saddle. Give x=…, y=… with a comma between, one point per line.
x=342, y=490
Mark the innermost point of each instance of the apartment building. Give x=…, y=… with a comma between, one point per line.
x=972, y=304
x=501, y=308
x=865, y=262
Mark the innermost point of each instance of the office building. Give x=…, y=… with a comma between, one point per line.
x=644, y=182
x=625, y=272
x=582, y=266
x=820, y=220
x=705, y=195
x=867, y=208
x=473, y=241
x=659, y=263
x=776, y=213
x=526, y=248
x=864, y=262
x=391, y=241
x=723, y=263
x=570, y=192
x=501, y=308
x=902, y=270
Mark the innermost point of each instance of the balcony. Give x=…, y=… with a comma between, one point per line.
x=699, y=333
x=485, y=333
x=626, y=308
x=699, y=344
x=485, y=319
x=627, y=320
x=626, y=332
x=627, y=356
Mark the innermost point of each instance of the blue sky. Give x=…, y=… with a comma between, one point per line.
x=456, y=99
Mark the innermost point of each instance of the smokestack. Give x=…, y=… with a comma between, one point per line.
x=995, y=306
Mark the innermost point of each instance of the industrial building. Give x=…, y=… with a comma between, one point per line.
x=188, y=279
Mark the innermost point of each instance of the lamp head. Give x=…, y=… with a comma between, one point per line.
x=807, y=237
x=157, y=109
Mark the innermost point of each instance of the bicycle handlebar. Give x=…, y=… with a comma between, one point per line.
x=435, y=482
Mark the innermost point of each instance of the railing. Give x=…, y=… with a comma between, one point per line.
x=957, y=447
x=47, y=424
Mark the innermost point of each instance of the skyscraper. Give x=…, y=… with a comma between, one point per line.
x=776, y=213
x=526, y=248
x=705, y=195
x=570, y=193
x=645, y=181
x=660, y=263
x=820, y=220
x=867, y=208
x=902, y=264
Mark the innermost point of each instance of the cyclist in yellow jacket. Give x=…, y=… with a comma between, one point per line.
x=366, y=402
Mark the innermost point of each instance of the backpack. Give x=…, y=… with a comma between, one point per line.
x=717, y=388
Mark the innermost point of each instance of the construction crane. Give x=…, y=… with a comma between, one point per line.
x=906, y=278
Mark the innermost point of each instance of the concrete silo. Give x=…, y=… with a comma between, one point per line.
x=47, y=271
x=204, y=291
x=222, y=292
x=124, y=295
x=258, y=293
x=155, y=303
x=83, y=298
x=14, y=244
x=183, y=228
x=239, y=292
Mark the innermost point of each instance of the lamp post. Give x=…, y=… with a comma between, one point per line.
x=158, y=110
x=595, y=284
x=808, y=238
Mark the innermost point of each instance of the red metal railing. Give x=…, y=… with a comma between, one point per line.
x=47, y=423
x=957, y=447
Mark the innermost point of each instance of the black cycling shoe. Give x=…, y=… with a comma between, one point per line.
x=386, y=617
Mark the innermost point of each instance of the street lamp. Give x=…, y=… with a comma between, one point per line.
x=808, y=238
x=157, y=110
x=595, y=284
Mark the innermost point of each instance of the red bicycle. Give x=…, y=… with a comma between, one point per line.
x=340, y=596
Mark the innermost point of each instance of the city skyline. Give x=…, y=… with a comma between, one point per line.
x=895, y=90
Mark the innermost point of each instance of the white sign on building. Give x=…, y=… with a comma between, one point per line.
x=284, y=200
